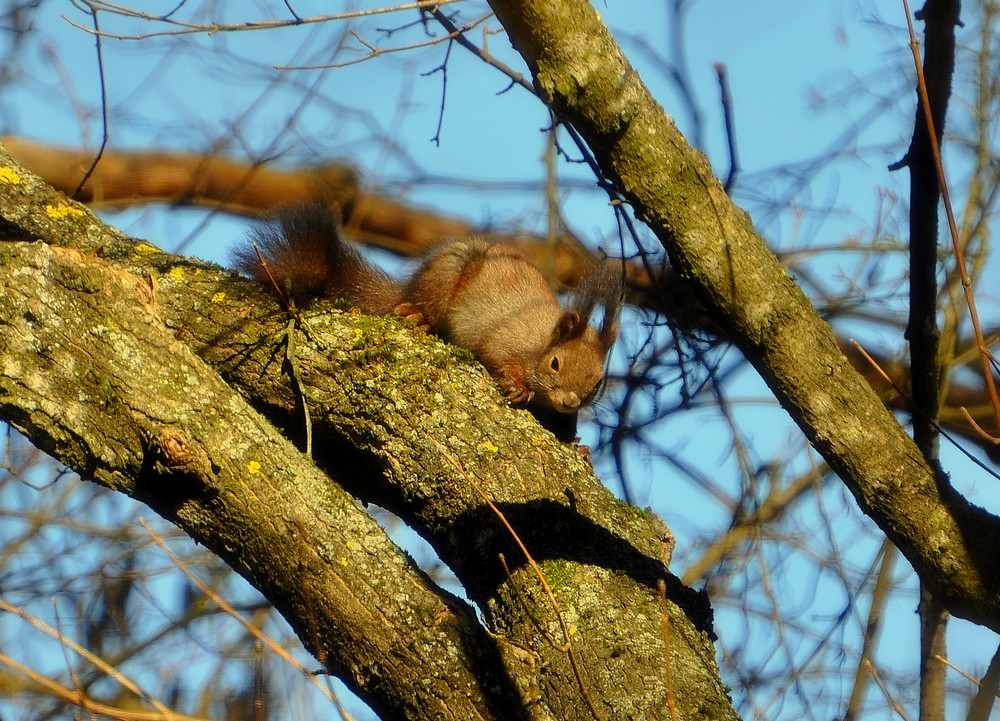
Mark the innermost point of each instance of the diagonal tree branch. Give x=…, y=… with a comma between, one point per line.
x=371, y=218
x=583, y=76
x=392, y=411
x=92, y=375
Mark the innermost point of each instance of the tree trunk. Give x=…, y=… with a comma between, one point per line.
x=581, y=73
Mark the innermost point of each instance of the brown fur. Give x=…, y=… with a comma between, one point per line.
x=487, y=298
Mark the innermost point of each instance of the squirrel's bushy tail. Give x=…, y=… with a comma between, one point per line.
x=308, y=257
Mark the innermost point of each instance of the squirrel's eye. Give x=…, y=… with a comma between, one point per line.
x=554, y=363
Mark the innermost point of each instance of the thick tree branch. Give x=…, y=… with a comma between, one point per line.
x=582, y=74
x=403, y=229
x=399, y=421
x=93, y=376
x=128, y=178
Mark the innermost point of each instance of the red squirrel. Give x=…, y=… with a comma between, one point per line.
x=487, y=298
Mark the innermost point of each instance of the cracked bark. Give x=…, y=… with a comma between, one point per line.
x=581, y=73
x=394, y=413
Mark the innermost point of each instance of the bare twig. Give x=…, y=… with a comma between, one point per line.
x=896, y=706
x=970, y=299
x=567, y=646
x=373, y=52
x=902, y=394
x=71, y=696
x=982, y=703
x=104, y=107
x=668, y=671
x=880, y=596
x=727, y=113
x=277, y=287
x=188, y=28
x=82, y=700
x=90, y=658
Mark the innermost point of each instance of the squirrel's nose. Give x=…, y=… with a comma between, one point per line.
x=571, y=401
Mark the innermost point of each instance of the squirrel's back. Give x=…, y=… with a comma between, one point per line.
x=491, y=299
x=485, y=297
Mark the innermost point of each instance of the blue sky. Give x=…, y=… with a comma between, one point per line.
x=792, y=68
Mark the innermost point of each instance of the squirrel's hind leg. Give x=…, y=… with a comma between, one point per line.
x=410, y=311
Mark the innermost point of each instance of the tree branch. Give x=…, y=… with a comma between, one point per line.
x=389, y=407
x=93, y=376
x=582, y=74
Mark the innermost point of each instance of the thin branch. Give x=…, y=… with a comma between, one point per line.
x=871, y=636
x=82, y=701
x=982, y=703
x=970, y=298
x=481, y=53
x=902, y=394
x=71, y=696
x=727, y=113
x=104, y=107
x=188, y=28
x=373, y=52
x=668, y=673
x=896, y=706
x=95, y=661
x=443, y=69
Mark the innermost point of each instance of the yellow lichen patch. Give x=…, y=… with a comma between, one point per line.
x=176, y=273
x=146, y=249
x=62, y=211
x=253, y=467
x=8, y=176
x=218, y=297
x=490, y=446
x=343, y=559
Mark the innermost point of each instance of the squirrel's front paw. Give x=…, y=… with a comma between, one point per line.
x=412, y=312
x=518, y=396
x=514, y=389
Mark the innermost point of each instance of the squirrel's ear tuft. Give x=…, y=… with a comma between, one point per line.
x=603, y=285
x=609, y=330
x=570, y=325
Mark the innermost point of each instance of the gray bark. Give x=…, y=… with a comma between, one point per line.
x=108, y=366
x=581, y=73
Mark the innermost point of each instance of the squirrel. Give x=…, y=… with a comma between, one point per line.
x=487, y=298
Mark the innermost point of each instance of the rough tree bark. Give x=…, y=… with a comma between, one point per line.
x=104, y=350
x=582, y=74
x=104, y=367
x=383, y=222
